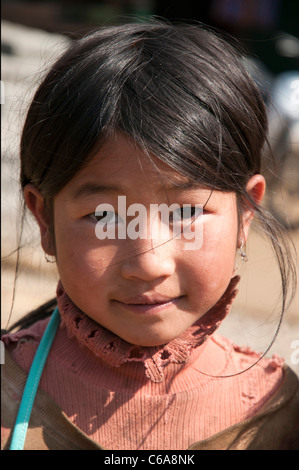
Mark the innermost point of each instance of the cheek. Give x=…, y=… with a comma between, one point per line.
x=84, y=263
x=80, y=262
x=212, y=266
x=83, y=276
x=220, y=240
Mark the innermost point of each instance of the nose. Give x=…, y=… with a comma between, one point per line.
x=151, y=262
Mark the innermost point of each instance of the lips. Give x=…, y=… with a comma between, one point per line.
x=149, y=304
x=149, y=299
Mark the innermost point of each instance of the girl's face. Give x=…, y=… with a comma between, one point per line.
x=145, y=290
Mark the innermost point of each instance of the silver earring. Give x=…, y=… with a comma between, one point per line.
x=49, y=260
x=242, y=253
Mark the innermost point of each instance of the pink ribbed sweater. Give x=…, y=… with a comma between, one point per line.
x=136, y=398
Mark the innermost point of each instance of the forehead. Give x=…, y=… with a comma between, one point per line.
x=121, y=167
x=120, y=161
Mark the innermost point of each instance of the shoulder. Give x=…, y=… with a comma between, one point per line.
x=49, y=428
x=242, y=360
x=279, y=417
x=22, y=345
x=32, y=333
x=274, y=427
x=251, y=377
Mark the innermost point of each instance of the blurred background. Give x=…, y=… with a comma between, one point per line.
x=35, y=32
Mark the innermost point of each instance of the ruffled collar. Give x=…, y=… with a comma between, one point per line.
x=115, y=351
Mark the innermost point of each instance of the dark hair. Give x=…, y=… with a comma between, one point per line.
x=180, y=91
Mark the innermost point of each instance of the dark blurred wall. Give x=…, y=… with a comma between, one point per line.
x=264, y=26
x=257, y=23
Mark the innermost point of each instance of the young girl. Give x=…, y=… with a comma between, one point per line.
x=160, y=116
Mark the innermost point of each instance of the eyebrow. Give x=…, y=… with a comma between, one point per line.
x=91, y=188
x=184, y=185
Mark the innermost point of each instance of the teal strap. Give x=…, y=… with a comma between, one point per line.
x=20, y=429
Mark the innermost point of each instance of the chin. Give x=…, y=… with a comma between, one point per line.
x=148, y=341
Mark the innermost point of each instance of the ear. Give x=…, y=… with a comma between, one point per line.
x=255, y=187
x=41, y=212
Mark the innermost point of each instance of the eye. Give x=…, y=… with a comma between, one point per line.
x=105, y=217
x=185, y=213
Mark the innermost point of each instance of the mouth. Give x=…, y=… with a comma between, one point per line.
x=149, y=306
